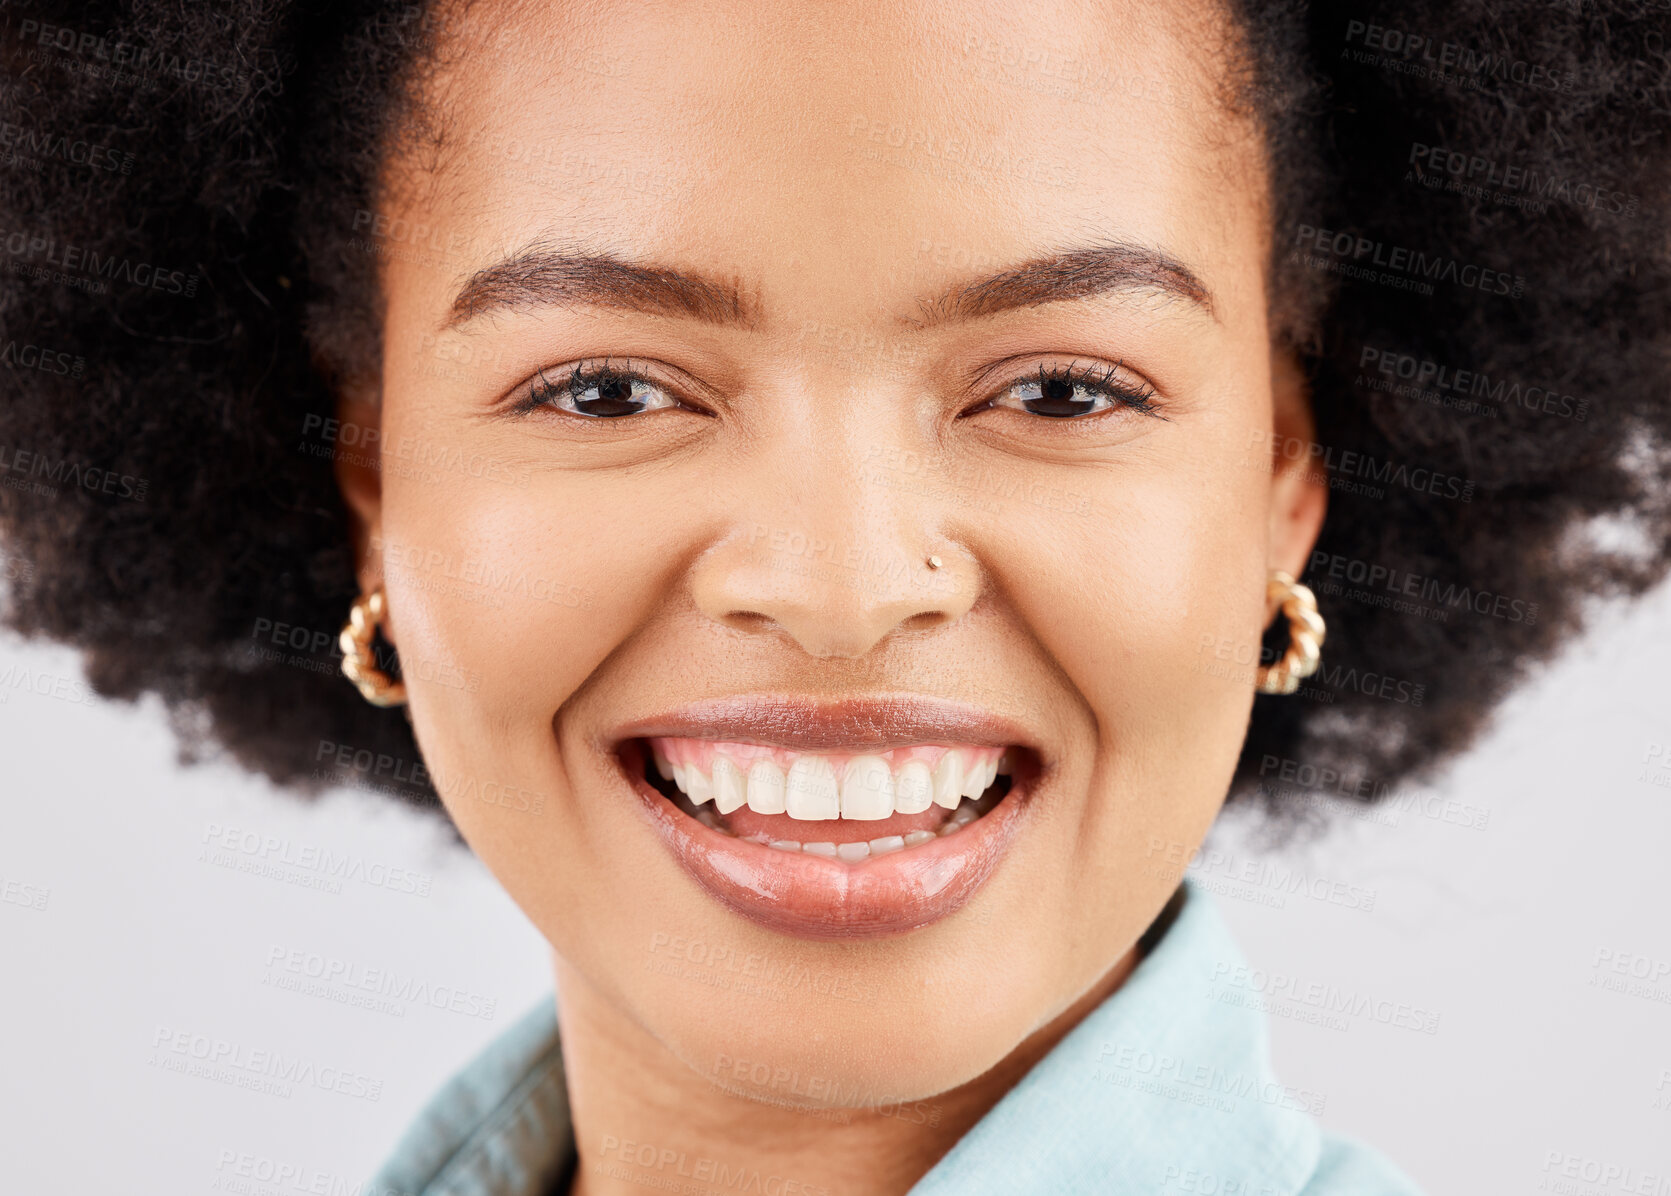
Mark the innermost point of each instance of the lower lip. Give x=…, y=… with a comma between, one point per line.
x=814, y=897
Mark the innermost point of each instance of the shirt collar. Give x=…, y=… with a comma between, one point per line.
x=1159, y=1073
x=1161, y=1081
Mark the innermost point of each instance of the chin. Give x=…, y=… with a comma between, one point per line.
x=914, y=1040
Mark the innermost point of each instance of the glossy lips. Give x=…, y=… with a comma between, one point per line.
x=883, y=825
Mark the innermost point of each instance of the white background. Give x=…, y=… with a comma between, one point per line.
x=1534, y=1072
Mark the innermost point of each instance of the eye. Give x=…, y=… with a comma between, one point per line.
x=1065, y=392
x=599, y=390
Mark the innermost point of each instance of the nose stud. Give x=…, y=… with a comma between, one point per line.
x=934, y=562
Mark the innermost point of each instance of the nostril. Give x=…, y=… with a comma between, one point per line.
x=748, y=620
x=925, y=621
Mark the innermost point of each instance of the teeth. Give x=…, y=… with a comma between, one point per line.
x=694, y=782
x=852, y=853
x=765, y=788
x=730, y=786
x=977, y=779
x=948, y=780
x=810, y=790
x=819, y=787
x=913, y=789
x=867, y=791
x=856, y=852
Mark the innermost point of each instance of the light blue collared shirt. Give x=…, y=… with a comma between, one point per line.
x=1160, y=1089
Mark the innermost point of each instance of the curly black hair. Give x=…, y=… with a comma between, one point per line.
x=1470, y=257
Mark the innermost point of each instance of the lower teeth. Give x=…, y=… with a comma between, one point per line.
x=965, y=813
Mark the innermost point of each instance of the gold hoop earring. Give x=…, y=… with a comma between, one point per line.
x=1305, y=635
x=359, y=664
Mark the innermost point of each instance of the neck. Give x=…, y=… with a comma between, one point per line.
x=644, y=1117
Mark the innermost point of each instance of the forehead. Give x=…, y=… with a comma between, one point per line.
x=822, y=154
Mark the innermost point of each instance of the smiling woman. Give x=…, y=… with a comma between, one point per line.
x=826, y=484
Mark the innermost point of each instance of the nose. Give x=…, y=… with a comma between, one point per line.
x=837, y=563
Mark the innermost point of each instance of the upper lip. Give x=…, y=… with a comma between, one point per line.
x=875, y=722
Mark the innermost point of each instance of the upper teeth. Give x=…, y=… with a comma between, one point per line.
x=817, y=787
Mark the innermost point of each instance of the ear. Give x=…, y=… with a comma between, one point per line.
x=356, y=462
x=1299, y=486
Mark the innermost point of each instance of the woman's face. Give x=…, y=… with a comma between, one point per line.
x=707, y=327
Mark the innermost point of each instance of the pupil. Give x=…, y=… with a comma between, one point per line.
x=614, y=398
x=1056, y=399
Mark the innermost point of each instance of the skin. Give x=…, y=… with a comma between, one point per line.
x=1101, y=627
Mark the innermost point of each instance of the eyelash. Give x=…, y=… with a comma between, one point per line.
x=1099, y=380
x=585, y=376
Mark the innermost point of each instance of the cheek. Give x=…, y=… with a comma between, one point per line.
x=530, y=581
x=1146, y=601
x=505, y=597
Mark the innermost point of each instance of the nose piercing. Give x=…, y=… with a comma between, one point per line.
x=934, y=562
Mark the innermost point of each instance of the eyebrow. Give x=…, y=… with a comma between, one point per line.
x=1075, y=274
x=545, y=275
